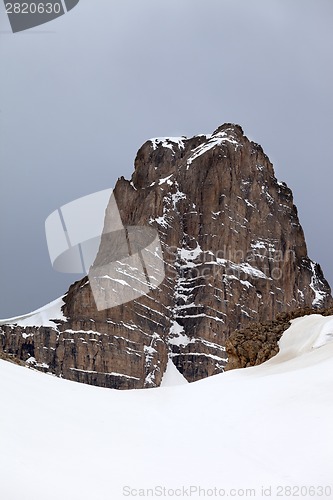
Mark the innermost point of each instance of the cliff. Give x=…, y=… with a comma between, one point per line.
x=234, y=254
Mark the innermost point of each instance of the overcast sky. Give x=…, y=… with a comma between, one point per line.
x=79, y=95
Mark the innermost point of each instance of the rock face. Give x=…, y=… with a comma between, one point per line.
x=258, y=342
x=234, y=253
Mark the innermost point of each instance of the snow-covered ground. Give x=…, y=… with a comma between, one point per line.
x=269, y=426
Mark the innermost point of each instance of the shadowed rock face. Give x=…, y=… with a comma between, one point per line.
x=234, y=253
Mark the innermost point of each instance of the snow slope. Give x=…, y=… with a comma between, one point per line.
x=41, y=317
x=264, y=426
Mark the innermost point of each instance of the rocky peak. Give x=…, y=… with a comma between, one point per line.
x=234, y=254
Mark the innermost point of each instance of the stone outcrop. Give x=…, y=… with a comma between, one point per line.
x=234, y=254
x=258, y=342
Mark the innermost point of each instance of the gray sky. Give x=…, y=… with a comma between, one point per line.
x=79, y=95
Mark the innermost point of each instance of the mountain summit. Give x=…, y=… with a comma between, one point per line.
x=234, y=253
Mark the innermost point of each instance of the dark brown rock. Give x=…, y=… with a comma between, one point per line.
x=258, y=342
x=234, y=254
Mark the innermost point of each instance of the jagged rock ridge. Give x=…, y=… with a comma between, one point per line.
x=234, y=253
